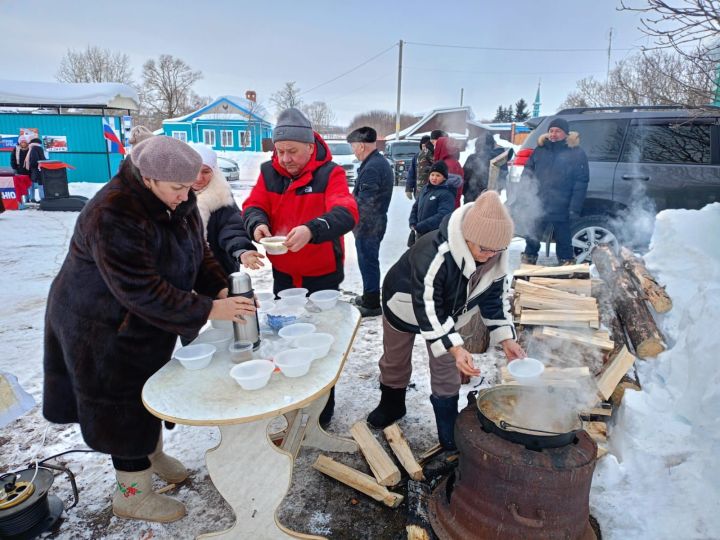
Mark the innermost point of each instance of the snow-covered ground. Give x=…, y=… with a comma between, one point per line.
x=662, y=481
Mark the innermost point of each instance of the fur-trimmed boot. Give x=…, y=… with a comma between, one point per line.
x=135, y=499
x=446, y=412
x=390, y=409
x=166, y=467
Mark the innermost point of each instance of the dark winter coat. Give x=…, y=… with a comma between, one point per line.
x=373, y=191
x=419, y=172
x=477, y=168
x=431, y=206
x=559, y=172
x=426, y=290
x=116, y=308
x=17, y=160
x=447, y=150
x=36, y=155
x=224, y=227
x=318, y=198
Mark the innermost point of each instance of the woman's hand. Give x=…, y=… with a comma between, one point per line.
x=232, y=309
x=223, y=293
x=512, y=350
x=252, y=259
x=464, y=361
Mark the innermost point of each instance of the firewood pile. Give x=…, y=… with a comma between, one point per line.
x=604, y=323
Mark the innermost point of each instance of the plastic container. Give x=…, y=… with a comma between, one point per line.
x=293, y=331
x=292, y=301
x=253, y=374
x=241, y=351
x=325, y=299
x=319, y=344
x=294, y=362
x=287, y=293
x=264, y=297
x=526, y=369
x=220, y=337
x=279, y=317
x=197, y=356
x=274, y=245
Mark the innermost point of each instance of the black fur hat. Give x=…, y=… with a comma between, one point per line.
x=363, y=134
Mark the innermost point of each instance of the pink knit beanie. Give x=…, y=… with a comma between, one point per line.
x=487, y=223
x=166, y=159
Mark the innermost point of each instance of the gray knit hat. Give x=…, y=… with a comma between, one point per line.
x=166, y=159
x=293, y=125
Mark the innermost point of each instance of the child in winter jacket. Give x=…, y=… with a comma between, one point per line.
x=435, y=201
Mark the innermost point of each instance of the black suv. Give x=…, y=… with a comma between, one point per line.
x=642, y=160
x=400, y=154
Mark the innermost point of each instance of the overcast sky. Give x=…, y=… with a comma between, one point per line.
x=240, y=45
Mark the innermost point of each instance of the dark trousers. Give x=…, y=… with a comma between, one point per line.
x=131, y=464
x=368, y=252
x=282, y=281
x=563, y=246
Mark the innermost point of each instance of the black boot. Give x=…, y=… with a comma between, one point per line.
x=445, y=414
x=327, y=413
x=528, y=259
x=370, y=306
x=391, y=408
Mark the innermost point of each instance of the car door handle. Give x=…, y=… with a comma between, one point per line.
x=631, y=177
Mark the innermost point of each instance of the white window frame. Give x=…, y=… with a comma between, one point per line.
x=245, y=136
x=180, y=135
x=209, y=137
x=224, y=135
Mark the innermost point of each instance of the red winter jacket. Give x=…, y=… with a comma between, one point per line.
x=447, y=149
x=319, y=198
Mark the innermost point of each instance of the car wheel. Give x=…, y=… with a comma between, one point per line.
x=588, y=232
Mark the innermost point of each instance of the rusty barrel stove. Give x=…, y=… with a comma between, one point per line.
x=502, y=489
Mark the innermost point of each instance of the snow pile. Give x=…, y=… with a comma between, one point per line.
x=248, y=162
x=662, y=479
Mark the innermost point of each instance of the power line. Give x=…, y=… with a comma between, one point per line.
x=418, y=68
x=505, y=49
x=350, y=70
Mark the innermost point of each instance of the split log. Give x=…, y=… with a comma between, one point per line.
x=357, y=480
x=593, y=339
x=630, y=307
x=601, y=451
x=402, y=451
x=550, y=271
x=613, y=373
x=576, y=286
x=560, y=317
x=654, y=293
x=429, y=453
x=532, y=301
x=627, y=383
x=596, y=430
x=418, y=521
x=382, y=467
x=524, y=286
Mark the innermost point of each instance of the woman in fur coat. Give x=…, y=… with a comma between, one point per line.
x=138, y=274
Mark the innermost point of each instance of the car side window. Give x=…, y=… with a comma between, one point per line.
x=672, y=142
x=601, y=139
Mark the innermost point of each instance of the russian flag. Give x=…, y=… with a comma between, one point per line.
x=116, y=144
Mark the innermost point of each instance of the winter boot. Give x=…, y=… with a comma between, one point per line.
x=370, y=306
x=327, y=412
x=566, y=262
x=528, y=259
x=391, y=408
x=446, y=411
x=135, y=499
x=166, y=467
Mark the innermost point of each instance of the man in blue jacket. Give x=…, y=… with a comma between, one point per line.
x=373, y=190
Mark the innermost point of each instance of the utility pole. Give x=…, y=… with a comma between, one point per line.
x=609, y=53
x=399, y=90
x=462, y=91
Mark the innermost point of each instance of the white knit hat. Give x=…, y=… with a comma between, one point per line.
x=208, y=155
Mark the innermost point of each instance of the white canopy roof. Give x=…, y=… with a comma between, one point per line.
x=88, y=95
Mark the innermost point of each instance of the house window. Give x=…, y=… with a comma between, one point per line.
x=179, y=135
x=209, y=137
x=245, y=138
x=226, y=138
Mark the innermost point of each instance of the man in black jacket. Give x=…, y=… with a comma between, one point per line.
x=434, y=290
x=559, y=174
x=373, y=190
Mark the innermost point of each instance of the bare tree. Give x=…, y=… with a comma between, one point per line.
x=320, y=114
x=382, y=121
x=94, y=65
x=288, y=96
x=651, y=78
x=167, y=88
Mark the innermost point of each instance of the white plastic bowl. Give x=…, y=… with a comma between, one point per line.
x=194, y=357
x=526, y=369
x=319, y=344
x=252, y=374
x=294, y=362
x=325, y=299
x=292, y=301
x=274, y=245
x=293, y=331
x=299, y=291
x=264, y=297
x=220, y=337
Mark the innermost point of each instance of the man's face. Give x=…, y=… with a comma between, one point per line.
x=556, y=134
x=294, y=155
x=359, y=150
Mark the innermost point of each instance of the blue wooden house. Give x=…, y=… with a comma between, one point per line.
x=228, y=124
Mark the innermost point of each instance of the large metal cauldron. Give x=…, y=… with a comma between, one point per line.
x=504, y=490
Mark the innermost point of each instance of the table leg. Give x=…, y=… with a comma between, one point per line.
x=253, y=475
x=317, y=437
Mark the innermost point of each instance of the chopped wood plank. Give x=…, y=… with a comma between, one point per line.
x=560, y=317
x=584, y=338
x=402, y=451
x=532, y=301
x=598, y=411
x=575, y=286
x=596, y=430
x=524, y=286
x=602, y=451
x=430, y=452
x=614, y=372
x=548, y=271
x=551, y=374
x=357, y=480
x=295, y=433
x=654, y=293
x=382, y=467
x=619, y=392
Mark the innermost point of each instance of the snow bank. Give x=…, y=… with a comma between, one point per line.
x=662, y=479
x=248, y=162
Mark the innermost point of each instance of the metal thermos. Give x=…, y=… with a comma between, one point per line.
x=241, y=285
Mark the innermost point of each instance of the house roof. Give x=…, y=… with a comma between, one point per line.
x=80, y=95
x=236, y=101
x=410, y=131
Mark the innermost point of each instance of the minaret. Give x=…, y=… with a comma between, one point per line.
x=536, y=104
